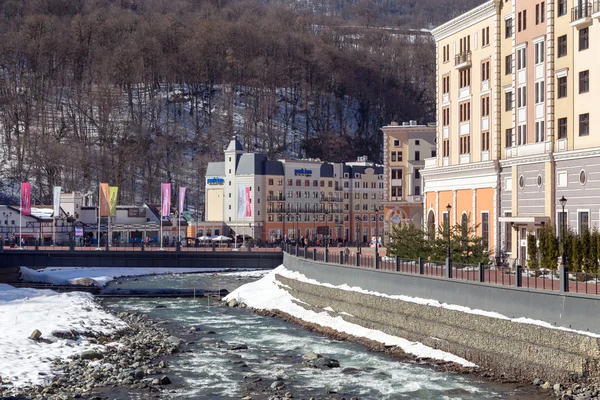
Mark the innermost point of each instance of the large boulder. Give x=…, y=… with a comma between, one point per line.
x=35, y=335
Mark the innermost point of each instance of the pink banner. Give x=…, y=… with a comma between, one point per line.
x=166, y=199
x=25, y=198
x=181, y=198
x=248, y=204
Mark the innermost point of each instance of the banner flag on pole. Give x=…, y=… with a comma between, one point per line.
x=181, y=199
x=114, y=190
x=25, y=198
x=104, y=200
x=56, y=192
x=166, y=199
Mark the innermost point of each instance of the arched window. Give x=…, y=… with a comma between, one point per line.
x=431, y=224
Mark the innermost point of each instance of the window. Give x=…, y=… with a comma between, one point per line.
x=508, y=27
x=508, y=100
x=538, y=50
x=396, y=173
x=417, y=155
x=417, y=190
x=485, y=229
x=539, y=131
x=584, y=81
x=485, y=141
x=396, y=143
x=584, y=124
x=446, y=84
x=465, y=111
x=522, y=21
x=465, y=44
x=465, y=144
x=583, y=218
x=465, y=77
x=562, y=46
x=521, y=58
x=396, y=192
x=509, y=138
x=562, y=128
x=508, y=234
x=540, y=13
x=446, y=116
x=584, y=42
x=521, y=135
x=446, y=53
x=417, y=174
x=485, y=106
x=393, y=156
x=417, y=142
x=522, y=96
x=539, y=92
x=485, y=36
x=271, y=182
x=446, y=148
x=508, y=64
x=562, y=87
x=562, y=7
x=485, y=70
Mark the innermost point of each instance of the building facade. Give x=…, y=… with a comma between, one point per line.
x=273, y=201
x=515, y=96
x=405, y=148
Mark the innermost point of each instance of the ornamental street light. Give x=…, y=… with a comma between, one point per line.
x=563, y=202
x=297, y=233
x=326, y=213
x=448, y=208
x=376, y=233
x=358, y=240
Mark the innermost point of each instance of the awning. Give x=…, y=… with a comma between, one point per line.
x=525, y=219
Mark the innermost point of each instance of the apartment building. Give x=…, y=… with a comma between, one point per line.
x=405, y=148
x=461, y=182
x=541, y=120
x=290, y=199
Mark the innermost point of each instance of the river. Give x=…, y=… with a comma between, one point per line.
x=208, y=369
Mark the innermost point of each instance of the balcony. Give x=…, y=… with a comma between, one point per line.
x=431, y=162
x=462, y=60
x=276, y=198
x=331, y=199
x=581, y=16
x=415, y=199
x=596, y=10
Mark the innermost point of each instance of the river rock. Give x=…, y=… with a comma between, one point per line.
x=83, y=282
x=162, y=364
x=323, y=363
x=537, y=382
x=70, y=335
x=311, y=356
x=557, y=387
x=164, y=380
x=237, y=347
x=232, y=303
x=546, y=385
x=350, y=371
x=35, y=335
x=174, y=340
x=277, y=385
x=91, y=355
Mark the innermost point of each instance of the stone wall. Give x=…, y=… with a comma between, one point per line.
x=9, y=275
x=520, y=350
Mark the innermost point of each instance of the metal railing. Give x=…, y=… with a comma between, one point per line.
x=582, y=11
x=543, y=279
x=461, y=58
x=276, y=198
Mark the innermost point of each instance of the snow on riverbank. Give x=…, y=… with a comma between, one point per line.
x=24, y=361
x=101, y=276
x=266, y=294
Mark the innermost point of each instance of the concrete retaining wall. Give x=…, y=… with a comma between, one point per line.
x=9, y=275
x=569, y=310
x=517, y=349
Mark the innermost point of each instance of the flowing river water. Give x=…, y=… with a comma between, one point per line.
x=207, y=369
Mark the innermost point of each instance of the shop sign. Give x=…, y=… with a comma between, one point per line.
x=303, y=172
x=215, y=181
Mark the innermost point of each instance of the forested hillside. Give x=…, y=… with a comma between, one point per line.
x=136, y=92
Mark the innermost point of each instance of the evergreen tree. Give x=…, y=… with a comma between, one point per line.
x=532, y=252
x=408, y=241
x=576, y=253
x=586, y=241
x=548, y=248
x=594, y=249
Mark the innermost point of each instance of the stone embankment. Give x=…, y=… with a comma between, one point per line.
x=503, y=350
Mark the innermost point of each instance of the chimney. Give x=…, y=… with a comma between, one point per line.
x=405, y=124
x=413, y=122
x=394, y=123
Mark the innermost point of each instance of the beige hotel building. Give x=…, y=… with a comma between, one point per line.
x=517, y=92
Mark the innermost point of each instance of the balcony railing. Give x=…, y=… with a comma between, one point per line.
x=276, y=198
x=462, y=59
x=331, y=199
x=581, y=15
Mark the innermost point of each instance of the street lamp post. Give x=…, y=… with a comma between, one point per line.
x=376, y=233
x=297, y=233
x=563, y=202
x=448, y=255
x=326, y=213
x=358, y=241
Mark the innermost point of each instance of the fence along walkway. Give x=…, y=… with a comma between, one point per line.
x=560, y=280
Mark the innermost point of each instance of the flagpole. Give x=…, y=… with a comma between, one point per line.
x=179, y=216
x=53, y=230
x=161, y=218
x=21, y=221
x=98, y=237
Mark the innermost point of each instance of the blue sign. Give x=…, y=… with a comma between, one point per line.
x=303, y=172
x=215, y=181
